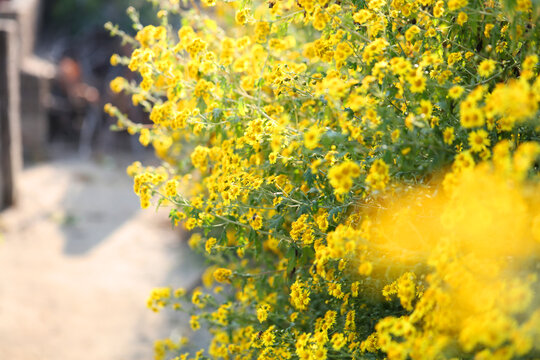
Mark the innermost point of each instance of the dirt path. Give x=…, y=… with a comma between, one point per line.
x=77, y=261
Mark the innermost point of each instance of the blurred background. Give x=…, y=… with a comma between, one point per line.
x=77, y=257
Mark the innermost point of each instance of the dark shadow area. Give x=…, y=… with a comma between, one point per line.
x=99, y=200
x=72, y=36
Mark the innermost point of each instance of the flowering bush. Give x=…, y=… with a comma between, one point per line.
x=364, y=174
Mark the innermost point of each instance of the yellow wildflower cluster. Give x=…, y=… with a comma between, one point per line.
x=465, y=242
x=362, y=176
x=158, y=298
x=299, y=295
x=222, y=275
x=341, y=176
x=262, y=312
x=378, y=175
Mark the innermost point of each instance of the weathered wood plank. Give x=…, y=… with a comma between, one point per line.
x=10, y=133
x=35, y=77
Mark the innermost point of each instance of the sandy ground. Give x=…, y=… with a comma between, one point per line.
x=77, y=262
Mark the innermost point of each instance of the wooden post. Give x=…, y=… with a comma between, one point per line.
x=35, y=77
x=10, y=133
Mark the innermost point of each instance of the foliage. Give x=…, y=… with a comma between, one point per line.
x=79, y=16
x=364, y=174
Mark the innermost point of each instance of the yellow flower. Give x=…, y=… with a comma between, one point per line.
x=194, y=240
x=395, y=135
x=299, y=295
x=311, y=138
x=179, y=292
x=272, y=158
x=455, y=92
x=322, y=219
x=378, y=175
x=262, y=29
x=117, y=84
x=472, y=117
x=365, y=268
x=268, y=337
x=242, y=16
x=210, y=243
x=448, y=135
x=478, y=140
x=462, y=18
x=426, y=107
x=262, y=312
x=341, y=176
x=487, y=30
x=406, y=289
x=159, y=298
x=223, y=275
x=486, y=67
x=417, y=83
x=256, y=221
x=412, y=32
x=530, y=62
x=438, y=9
x=115, y=59
x=454, y=58
x=194, y=322
x=362, y=16
x=456, y=4
x=338, y=341
x=197, y=298
x=535, y=228
x=171, y=188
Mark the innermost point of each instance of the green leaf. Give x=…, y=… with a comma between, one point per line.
x=291, y=257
